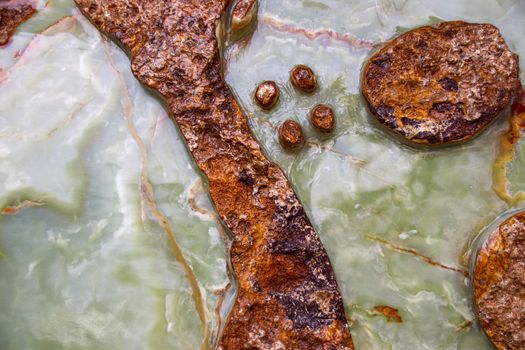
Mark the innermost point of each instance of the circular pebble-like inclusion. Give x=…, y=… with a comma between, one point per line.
x=322, y=118
x=303, y=78
x=291, y=135
x=267, y=94
x=442, y=84
x=499, y=284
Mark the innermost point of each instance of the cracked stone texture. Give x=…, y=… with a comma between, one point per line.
x=287, y=295
x=441, y=84
x=244, y=13
x=12, y=14
x=499, y=282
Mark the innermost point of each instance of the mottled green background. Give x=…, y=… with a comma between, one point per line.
x=84, y=263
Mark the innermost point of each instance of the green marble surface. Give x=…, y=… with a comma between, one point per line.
x=84, y=263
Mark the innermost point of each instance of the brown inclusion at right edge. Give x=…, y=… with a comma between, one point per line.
x=287, y=295
x=499, y=284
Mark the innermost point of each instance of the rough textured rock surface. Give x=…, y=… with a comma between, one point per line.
x=499, y=284
x=12, y=14
x=267, y=94
x=244, y=12
x=322, y=118
x=288, y=297
x=291, y=135
x=303, y=78
x=441, y=84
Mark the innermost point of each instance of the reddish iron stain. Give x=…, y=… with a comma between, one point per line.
x=313, y=34
x=10, y=211
x=391, y=313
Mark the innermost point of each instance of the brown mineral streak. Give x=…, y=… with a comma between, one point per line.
x=415, y=253
x=391, y=313
x=148, y=196
x=499, y=282
x=507, y=152
x=287, y=295
x=12, y=14
x=442, y=84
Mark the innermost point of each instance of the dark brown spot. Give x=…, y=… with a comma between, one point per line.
x=449, y=84
x=382, y=61
x=246, y=178
x=304, y=314
x=442, y=107
x=409, y=121
x=386, y=116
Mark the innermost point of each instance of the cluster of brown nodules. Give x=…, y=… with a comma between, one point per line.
x=291, y=135
x=441, y=84
x=499, y=284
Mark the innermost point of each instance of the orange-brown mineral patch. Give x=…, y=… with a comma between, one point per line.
x=441, y=84
x=291, y=135
x=391, y=313
x=303, y=78
x=267, y=94
x=507, y=152
x=12, y=14
x=322, y=118
x=499, y=284
x=287, y=295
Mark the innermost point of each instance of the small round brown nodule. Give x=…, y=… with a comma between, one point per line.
x=291, y=135
x=322, y=117
x=303, y=78
x=267, y=94
x=499, y=280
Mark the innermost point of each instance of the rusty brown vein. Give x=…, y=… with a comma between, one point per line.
x=415, y=253
x=13, y=210
x=292, y=299
x=500, y=180
x=149, y=196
